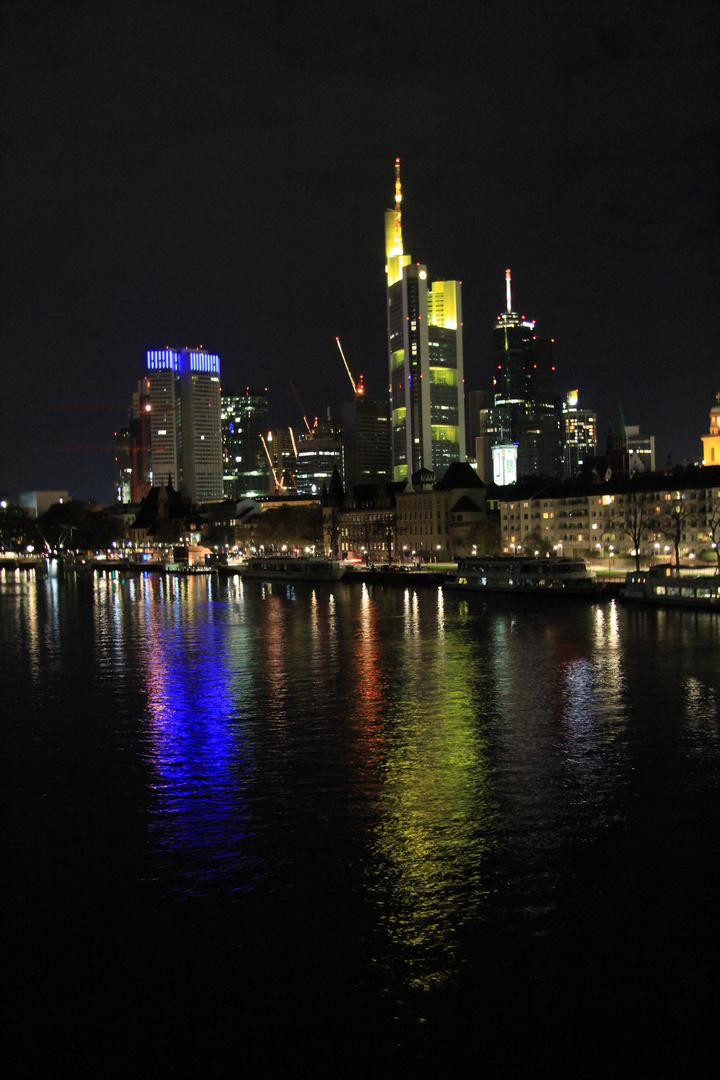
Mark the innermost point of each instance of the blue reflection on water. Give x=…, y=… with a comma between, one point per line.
x=200, y=751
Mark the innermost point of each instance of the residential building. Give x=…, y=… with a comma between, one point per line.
x=425, y=359
x=596, y=519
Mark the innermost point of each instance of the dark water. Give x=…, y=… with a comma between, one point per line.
x=355, y=831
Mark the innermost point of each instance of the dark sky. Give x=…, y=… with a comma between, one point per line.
x=184, y=173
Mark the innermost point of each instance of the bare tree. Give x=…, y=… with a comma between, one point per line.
x=675, y=518
x=635, y=517
x=385, y=530
x=712, y=525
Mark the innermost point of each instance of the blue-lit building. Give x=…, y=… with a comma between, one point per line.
x=183, y=394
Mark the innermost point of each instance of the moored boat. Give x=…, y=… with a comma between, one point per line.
x=292, y=568
x=560, y=576
x=660, y=585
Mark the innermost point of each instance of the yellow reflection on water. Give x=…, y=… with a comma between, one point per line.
x=436, y=811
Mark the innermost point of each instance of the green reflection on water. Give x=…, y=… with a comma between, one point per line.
x=436, y=809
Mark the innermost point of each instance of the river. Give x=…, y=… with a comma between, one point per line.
x=355, y=830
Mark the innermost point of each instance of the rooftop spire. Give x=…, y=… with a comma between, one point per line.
x=508, y=290
x=398, y=200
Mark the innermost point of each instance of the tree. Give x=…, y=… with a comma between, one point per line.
x=292, y=526
x=675, y=518
x=634, y=516
x=17, y=529
x=713, y=530
x=385, y=531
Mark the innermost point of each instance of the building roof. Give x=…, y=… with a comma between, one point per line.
x=465, y=505
x=581, y=486
x=459, y=475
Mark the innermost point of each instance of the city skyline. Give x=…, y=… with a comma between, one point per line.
x=241, y=207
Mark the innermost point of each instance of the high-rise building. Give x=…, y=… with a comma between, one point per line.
x=183, y=392
x=425, y=359
x=140, y=475
x=245, y=464
x=641, y=449
x=123, y=465
x=579, y=435
x=525, y=411
x=319, y=453
x=366, y=433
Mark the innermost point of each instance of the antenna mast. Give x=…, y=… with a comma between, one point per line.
x=508, y=291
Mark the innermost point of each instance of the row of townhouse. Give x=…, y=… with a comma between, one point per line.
x=652, y=513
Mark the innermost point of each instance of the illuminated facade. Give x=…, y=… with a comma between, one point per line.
x=317, y=459
x=579, y=435
x=425, y=359
x=583, y=518
x=525, y=410
x=183, y=393
x=245, y=465
x=711, y=441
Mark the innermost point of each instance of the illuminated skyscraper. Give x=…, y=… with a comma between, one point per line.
x=425, y=359
x=525, y=411
x=579, y=435
x=183, y=392
x=245, y=464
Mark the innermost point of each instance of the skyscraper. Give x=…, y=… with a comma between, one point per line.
x=425, y=359
x=245, y=465
x=579, y=435
x=183, y=391
x=366, y=440
x=525, y=411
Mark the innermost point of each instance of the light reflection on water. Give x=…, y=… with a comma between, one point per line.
x=415, y=771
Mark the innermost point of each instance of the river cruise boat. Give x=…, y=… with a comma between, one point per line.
x=292, y=568
x=560, y=576
x=661, y=585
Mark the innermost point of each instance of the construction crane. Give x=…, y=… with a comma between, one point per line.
x=277, y=480
x=300, y=405
x=358, y=388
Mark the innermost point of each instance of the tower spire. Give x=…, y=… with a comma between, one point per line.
x=395, y=257
x=398, y=200
x=508, y=291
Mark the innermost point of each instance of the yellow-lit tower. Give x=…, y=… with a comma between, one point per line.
x=425, y=359
x=711, y=441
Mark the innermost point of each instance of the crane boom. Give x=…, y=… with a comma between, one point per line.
x=355, y=389
x=278, y=482
x=300, y=405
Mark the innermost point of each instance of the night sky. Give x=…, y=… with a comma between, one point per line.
x=184, y=173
